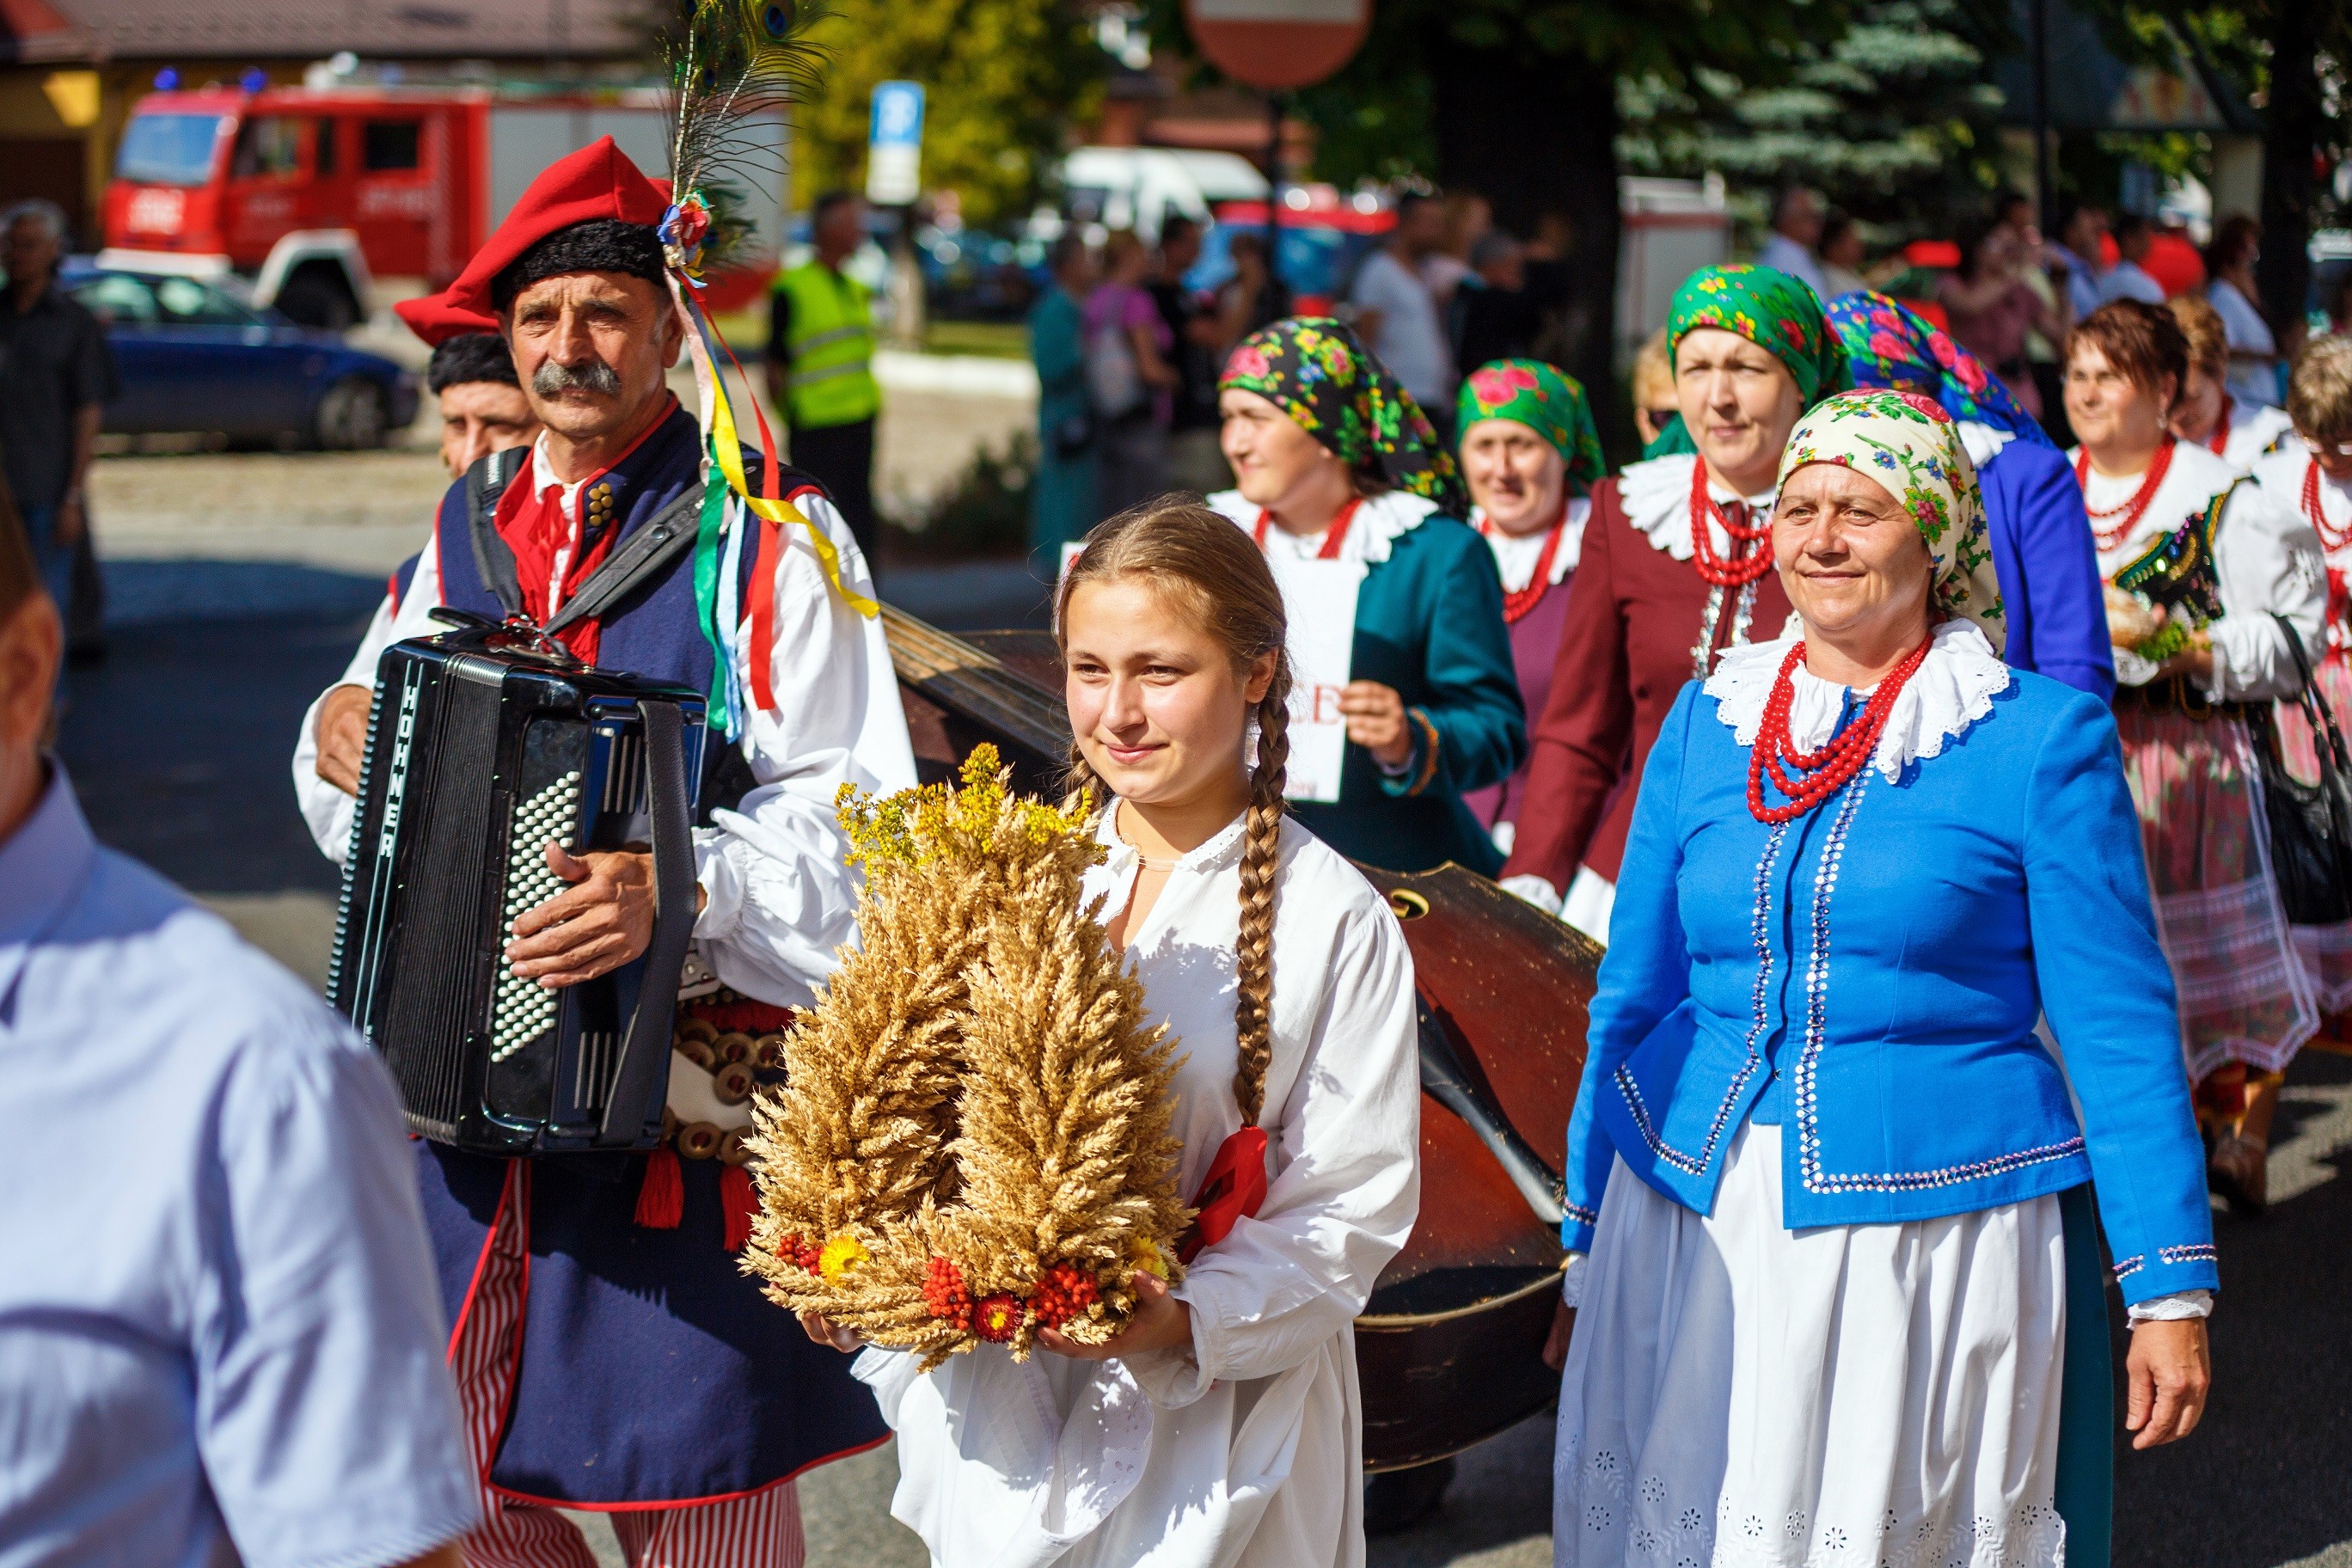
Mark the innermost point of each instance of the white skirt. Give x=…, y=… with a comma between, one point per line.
x=1738, y=1394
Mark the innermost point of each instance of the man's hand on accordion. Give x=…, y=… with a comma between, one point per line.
x=342, y=733
x=601, y=922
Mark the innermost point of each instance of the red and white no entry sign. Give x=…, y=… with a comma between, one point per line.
x=1278, y=44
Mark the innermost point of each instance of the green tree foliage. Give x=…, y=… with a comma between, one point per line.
x=1002, y=78
x=1893, y=118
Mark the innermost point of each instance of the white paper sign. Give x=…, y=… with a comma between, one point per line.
x=1320, y=598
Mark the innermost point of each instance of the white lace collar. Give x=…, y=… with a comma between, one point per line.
x=1380, y=522
x=1983, y=442
x=1656, y=499
x=1516, y=556
x=1952, y=688
x=1212, y=854
x=2189, y=485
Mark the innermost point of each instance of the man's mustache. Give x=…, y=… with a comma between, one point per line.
x=553, y=380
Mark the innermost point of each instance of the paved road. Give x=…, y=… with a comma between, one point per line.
x=179, y=745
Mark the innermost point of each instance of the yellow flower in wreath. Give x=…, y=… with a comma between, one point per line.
x=841, y=1254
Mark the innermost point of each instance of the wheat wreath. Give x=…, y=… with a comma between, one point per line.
x=974, y=1142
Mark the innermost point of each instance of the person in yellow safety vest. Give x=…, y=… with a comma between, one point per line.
x=821, y=364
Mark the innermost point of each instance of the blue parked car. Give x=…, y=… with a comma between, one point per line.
x=194, y=357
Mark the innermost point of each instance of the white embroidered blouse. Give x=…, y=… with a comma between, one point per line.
x=1516, y=554
x=2265, y=557
x=1379, y=523
x=1243, y=1450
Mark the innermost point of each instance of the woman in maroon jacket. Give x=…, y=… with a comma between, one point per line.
x=1678, y=565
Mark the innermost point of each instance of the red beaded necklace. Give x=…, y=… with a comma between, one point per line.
x=1333, y=537
x=1824, y=772
x=1749, y=561
x=2134, y=509
x=2331, y=540
x=1518, y=602
x=2218, y=443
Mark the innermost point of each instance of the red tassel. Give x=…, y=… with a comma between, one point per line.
x=737, y=1202
x=661, y=1201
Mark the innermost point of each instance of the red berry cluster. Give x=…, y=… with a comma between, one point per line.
x=1819, y=774
x=944, y=1294
x=996, y=1318
x=793, y=1249
x=1065, y=1292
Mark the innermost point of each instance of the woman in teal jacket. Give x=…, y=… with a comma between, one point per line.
x=1333, y=461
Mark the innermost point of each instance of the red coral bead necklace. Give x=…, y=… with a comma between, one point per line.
x=1818, y=775
x=2131, y=510
x=1518, y=602
x=2331, y=539
x=1751, y=543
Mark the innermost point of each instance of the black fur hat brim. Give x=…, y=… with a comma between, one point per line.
x=599, y=245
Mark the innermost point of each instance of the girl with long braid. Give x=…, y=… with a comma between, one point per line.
x=1223, y=1426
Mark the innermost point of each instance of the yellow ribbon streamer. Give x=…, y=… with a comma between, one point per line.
x=729, y=451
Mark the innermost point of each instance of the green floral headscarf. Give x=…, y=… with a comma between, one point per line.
x=1907, y=443
x=1776, y=312
x=1315, y=370
x=1538, y=396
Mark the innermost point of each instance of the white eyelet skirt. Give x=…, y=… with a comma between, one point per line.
x=1738, y=1394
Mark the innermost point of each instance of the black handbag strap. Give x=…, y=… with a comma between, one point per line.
x=2326, y=740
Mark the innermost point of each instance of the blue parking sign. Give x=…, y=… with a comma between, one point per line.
x=898, y=120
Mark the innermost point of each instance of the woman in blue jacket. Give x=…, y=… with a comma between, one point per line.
x=1833, y=1303
x=2042, y=553
x=1333, y=461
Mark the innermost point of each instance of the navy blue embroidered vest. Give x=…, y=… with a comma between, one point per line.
x=653, y=633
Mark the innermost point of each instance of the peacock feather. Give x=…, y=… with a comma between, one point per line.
x=729, y=59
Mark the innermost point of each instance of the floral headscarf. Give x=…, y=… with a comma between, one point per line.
x=1890, y=345
x=1909, y=445
x=1315, y=370
x=1776, y=312
x=1538, y=396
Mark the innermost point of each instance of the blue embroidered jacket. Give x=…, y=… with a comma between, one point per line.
x=1868, y=976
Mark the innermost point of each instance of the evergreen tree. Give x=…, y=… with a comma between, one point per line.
x=1894, y=120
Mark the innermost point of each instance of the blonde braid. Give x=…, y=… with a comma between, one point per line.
x=1219, y=578
x=1078, y=780
x=1261, y=855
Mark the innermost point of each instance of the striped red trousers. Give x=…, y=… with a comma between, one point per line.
x=761, y=1530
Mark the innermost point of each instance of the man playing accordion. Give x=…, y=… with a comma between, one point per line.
x=609, y=1353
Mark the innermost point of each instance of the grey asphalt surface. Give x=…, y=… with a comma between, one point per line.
x=179, y=745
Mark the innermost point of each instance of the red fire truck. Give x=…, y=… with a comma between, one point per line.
x=314, y=194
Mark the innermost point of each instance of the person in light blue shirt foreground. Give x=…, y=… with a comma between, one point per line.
x=220, y=1336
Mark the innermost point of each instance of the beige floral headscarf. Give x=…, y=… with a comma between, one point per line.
x=1910, y=446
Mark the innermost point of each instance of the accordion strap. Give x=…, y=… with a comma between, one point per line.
x=634, y=1102
x=666, y=535
x=484, y=482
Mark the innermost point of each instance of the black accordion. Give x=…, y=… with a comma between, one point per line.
x=485, y=744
